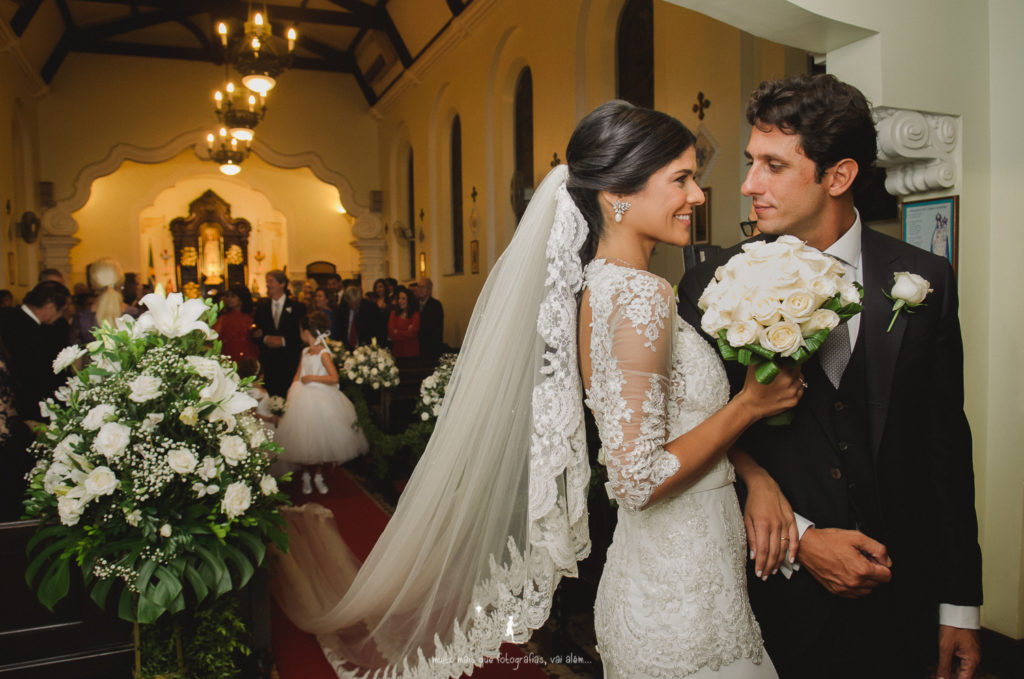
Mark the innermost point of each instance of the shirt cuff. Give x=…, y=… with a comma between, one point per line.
x=787, y=569
x=964, y=617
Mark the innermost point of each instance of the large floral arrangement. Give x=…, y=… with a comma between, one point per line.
x=369, y=365
x=152, y=476
x=433, y=388
x=775, y=303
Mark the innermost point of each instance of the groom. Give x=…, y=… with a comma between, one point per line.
x=878, y=459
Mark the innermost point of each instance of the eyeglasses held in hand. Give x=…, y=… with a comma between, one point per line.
x=748, y=227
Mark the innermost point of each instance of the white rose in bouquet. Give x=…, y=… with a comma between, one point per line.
x=182, y=460
x=165, y=530
x=69, y=509
x=268, y=484
x=233, y=449
x=742, y=333
x=783, y=338
x=798, y=306
x=100, y=481
x=112, y=439
x=66, y=446
x=822, y=319
x=144, y=388
x=207, y=468
x=237, y=499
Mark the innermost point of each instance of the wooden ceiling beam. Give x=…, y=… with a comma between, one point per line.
x=23, y=17
x=240, y=10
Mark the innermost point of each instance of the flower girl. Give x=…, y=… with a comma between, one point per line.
x=320, y=425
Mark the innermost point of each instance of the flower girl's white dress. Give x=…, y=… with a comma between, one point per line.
x=320, y=424
x=672, y=601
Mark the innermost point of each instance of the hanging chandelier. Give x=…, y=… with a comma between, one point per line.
x=239, y=111
x=226, y=151
x=256, y=55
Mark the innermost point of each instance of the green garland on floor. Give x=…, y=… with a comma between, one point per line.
x=384, y=447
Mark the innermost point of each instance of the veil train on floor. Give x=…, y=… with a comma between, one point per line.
x=495, y=512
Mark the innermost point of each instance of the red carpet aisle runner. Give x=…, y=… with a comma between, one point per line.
x=360, y=522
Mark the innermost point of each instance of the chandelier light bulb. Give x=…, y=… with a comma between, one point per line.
x=255, y=44
x=223, y=132
x=257, y=19
x=242, y=134
x=230, y=169
x=222, y=30
x=218, y=98
x=230, y=87
x=292, y=37
x=260, y=83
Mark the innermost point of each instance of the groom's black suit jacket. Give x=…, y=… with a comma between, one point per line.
x=916, y=465
x=279, y=364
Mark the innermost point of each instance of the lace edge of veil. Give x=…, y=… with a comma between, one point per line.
x=516, y=598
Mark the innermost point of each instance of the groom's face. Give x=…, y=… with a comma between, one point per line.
x=781, y=182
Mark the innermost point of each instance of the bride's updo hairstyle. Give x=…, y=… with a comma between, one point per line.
x=106, y=278
x=616, y=148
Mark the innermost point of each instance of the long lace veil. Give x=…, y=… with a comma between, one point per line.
x=495, y=512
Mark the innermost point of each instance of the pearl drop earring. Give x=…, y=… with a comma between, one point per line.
x=620, y=206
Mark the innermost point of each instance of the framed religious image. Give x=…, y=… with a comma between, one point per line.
x=708, y=150
x=701, y=224
x=933, y=225
x=474, y=256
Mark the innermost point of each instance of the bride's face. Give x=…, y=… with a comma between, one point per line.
x=663, y=210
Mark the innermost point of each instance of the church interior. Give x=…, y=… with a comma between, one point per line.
x=404, y=138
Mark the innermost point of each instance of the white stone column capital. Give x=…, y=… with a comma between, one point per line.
x=920, y=151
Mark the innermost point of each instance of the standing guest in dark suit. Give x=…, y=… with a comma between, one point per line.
x=334, y=290
x=15, y=437
x=431, y=321
x=358, y=320
x=28, y=335
x=277, y=332
x=877, y=463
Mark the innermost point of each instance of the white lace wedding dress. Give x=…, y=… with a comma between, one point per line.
x=672, y=600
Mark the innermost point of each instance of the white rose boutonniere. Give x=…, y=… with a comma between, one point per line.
x=908, y=292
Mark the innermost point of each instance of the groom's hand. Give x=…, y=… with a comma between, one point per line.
x=962, y=644
x=846, y=562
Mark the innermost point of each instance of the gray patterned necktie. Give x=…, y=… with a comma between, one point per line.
x=834, y=353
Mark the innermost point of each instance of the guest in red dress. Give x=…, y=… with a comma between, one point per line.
x=404, y=326
x=235, y=325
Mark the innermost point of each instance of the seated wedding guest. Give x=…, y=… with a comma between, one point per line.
x=404, y=326
x=15, y=437
x=322, y=303
x=6, y=299
x=358, y=320
x=106, y=279
x=431, y=320
x=26, y=333
x=235, y=324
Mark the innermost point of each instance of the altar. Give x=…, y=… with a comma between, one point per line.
x=211, y=249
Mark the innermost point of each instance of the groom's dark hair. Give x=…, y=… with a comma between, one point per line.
x=832, y=118
x=616, y=148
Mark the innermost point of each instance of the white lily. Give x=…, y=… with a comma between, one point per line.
x=223, y=391
x=172, y=316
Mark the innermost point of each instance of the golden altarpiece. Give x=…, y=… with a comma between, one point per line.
x=211, y=249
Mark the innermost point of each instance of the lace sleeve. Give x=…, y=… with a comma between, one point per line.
x=631, y=350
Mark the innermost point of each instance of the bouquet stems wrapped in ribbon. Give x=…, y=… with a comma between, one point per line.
x=774, y=304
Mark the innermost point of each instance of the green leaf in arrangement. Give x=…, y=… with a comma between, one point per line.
x=55, y=583
x=766, y=354
x=101, y=591
x=148, y=610
x=126, y=606
x=253, y=544
x=815, y=341
x=242, y=564
x=766, y=372
x=744, y=355
x=197, y=582
x=44, y=556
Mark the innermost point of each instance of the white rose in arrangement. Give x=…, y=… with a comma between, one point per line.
x=268, y=484
x=233, y=449
x=823, y=287
x=61, y=450
x=783, y=337
x=822, y=319
x=910, y=287
x=742, y=333
x=70, y=509
x=237, y=499
x=207, y=468
x=767, y=309
x=97, y=415
x=182, y=460
x=849, y=294
x=67, y=356
x=712, y=321
x=145, y=388
x=189, y=416
x=133, y=518
x=152, y=420
x=798, y=306
x=206, y=367
x=424, y=416
x=100, y=481
x=111, y=440
x=257, y=437
x=165, y=530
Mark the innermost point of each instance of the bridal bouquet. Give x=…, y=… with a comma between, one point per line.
x=369, y=365
x=152, y=476
x=433, y=388
x=775, y=303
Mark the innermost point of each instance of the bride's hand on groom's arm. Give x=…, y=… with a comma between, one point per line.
x=771, y=528
x=846, y=562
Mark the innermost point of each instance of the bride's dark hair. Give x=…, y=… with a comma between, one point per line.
x=616, y=148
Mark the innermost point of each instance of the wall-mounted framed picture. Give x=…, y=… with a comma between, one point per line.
x=933, y=225
x=474, y=256
x=700, y=227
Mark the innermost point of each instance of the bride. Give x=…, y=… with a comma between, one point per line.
x=495, y=513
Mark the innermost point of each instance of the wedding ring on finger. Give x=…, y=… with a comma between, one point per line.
x=803, y=383
x=784, y=539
